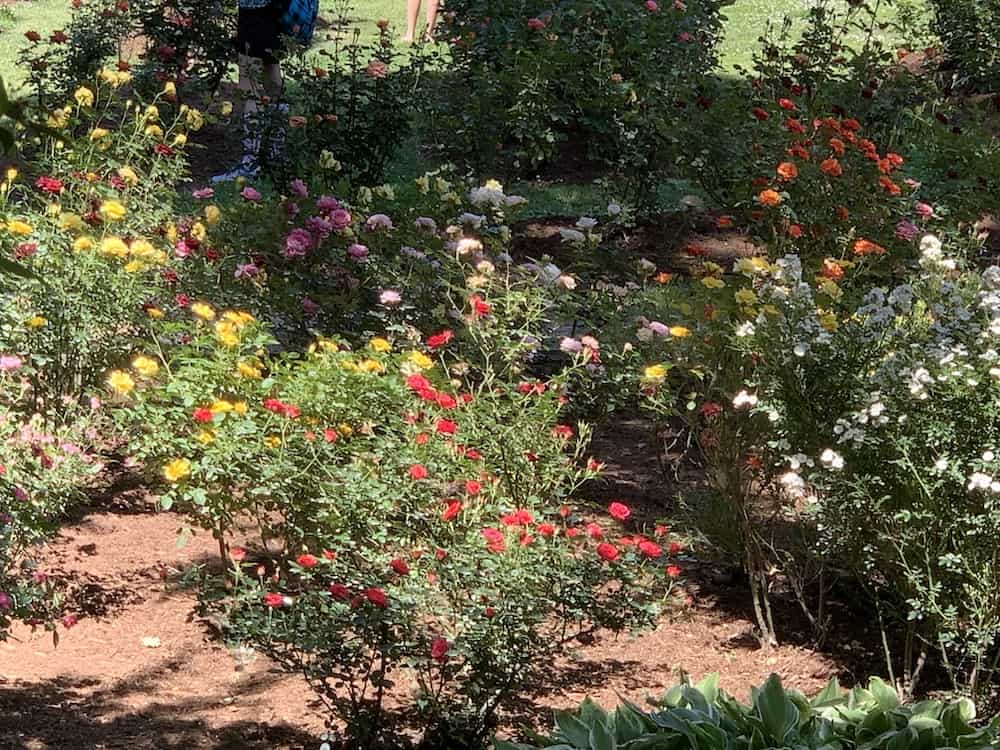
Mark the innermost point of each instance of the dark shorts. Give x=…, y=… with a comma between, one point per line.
x=257, y=32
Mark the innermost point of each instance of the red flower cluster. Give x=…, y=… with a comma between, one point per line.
x=279, y=407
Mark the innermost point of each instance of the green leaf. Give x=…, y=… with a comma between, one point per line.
x=573, y=730
x=887, y=698
x=778, y=714
x=602, y=737
x=709, y=687
x=831, y=695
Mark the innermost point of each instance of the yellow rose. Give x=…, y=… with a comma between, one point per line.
x=152, y=114
x=203, y=311
x=746, y=297
x=421, y=360
x=154, y=131
x=133, y=266
x=226, y=109
x=206, y=436
x=113, y=247
x=247, y=370
x=98, y=134
x=71, y=223
x=272, y=441
x=112, y=211
x=10, y=174
x=679, y=332
x=221, y=406
x=57, y=119
x=240, y=407
x=145, y=366
x=120, y=382
x=80, y=244
x=128, y=175
x=380, y=345
x=154, y=312
x=370, y=366
x=169, y=89
x=238, y=318
x=84, y=97
x=16, y=226
x=226, y=333
x=655, y=372
x=177, y=470
x=713, y=283
x=345, y=429
x=194, y=120
x=180, y=140
x=212, y=215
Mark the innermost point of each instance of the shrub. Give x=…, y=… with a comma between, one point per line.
x=613, y=75
x=415, y=495
x=90, y=224
x=705, y=716
x=966, y=29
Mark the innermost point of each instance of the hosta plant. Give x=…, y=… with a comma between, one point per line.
x=703, y=716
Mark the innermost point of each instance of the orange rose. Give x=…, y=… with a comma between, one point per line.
x=866, y=247
x=838, y=146
x=831, y=167
x=769, y=198
x=787, y=171
x=831, y=270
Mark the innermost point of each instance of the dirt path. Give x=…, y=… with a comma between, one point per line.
x=104, y=686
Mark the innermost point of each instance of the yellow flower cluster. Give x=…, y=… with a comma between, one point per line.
x=229, y=327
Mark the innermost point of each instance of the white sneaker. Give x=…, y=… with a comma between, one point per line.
x=245, y=171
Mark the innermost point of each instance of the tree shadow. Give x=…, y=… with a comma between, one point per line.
x=85, y=713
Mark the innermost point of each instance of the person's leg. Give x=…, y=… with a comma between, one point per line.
x=432, y=12
x=412, y=9
x=250, y=89
x=250, y=84
x=273, y=83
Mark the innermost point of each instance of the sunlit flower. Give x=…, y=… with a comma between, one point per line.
x=176, y=470
x=120, y=382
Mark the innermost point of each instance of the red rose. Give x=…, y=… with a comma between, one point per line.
x=417, y=383
x=787, y=104
x=329, y=554
x=619, y=511
x=340, y=592
x=418, y=472
x=673, y=571
x=453, y=509
x=440, y=554
x=675, y=548
x=307, y=561
x=761, y=114
x=562, y=431
x=650, y=549
x=479, y=306
x=69, y=621
x=446, y=427
x=594, y=531
x=494, y=539
x=472, y=487
x=274, y=600
x=399, y=566
x=49, y=185
x=546, y=529
x=330, y=435
x=202, y=414
x=274, y=405
x=237, y=554
x=440, y=339
x=445, y=400
x=607, y=551
x=439, y=649
x=377, y=597
x=32, y=36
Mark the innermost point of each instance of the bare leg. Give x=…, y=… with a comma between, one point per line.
x=432, y=12
x=412, y=9
x=249, y=83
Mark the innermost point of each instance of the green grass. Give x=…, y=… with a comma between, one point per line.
x=39, y=15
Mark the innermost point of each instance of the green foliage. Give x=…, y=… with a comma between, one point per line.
x=610, y=77
x=705, y=717
x=967, y=29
